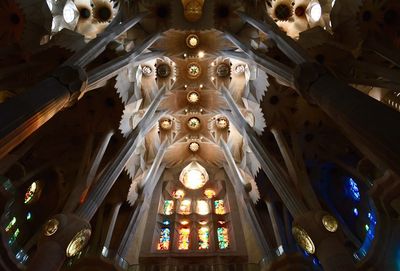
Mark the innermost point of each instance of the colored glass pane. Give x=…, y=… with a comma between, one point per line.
x=29, y=216
x=219, y=207
x=209, y=193
x=184, y=207
x=183, y=241
x=166, y=222
x=353, y=189
x=30, y=193
x=204, y=238
x=11, y=224
x=168, y=207
x=223, y=239
x=202, y=207
x=13, y=237
x=163, y=243
x=178, y=194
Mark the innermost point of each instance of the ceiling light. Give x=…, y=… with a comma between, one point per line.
x=201, y=54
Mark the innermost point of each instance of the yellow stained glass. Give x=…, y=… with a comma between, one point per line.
x=178, y=194
x=184, y=207
x=183, y=241
x=204, y=238
x=219, y=207
x=209, y=193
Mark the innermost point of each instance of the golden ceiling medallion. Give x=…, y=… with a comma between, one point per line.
x=193, y=9
x=193, y=97
x=222, y=122
x=166, y=124
x=51, y=227
x=330, y=223
x=194, y=146
x=193, y=123
x=192, y=41
x=303, y=239
x=193, y=70
x=78, y=242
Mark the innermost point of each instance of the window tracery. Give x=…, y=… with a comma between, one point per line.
x=195, y=220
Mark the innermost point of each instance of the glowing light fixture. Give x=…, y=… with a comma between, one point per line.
x=193, y=176
x=200, y=54
x=194, y=146
x=193, y=97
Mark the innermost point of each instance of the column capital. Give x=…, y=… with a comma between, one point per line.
x=74, y=78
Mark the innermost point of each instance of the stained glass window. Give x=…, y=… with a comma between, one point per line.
x=183, y=241
x=14, y=237
x=178, y=194
x=219, y=207
x=204, y=237
x=209, y=193
x=168, y=207
x=30, y=193
x=29, y=216
x=11, y=224
x=202, y=207
x=165, y=236
x=353, y=189
x=184, y=207
x=223, y=239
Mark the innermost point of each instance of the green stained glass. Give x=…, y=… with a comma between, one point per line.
x=204, y=238
x=168, y=207
x=11, y=224
x=223, y=239
x=219, y=207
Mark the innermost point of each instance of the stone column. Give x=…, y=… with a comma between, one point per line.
x=110, y=231
x=317, y=232
x=112, y=172
x=61, y=235
x=365, y=121
x=24, y=114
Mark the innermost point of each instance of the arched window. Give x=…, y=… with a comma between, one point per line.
x=194, y=214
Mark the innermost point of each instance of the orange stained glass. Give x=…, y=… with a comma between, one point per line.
x=183, y=241
x=219, y=206
x=184, y=207
x=209, y=193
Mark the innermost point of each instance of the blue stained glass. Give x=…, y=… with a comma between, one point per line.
x=164, y=241
x=355, y=211
x=353, y=189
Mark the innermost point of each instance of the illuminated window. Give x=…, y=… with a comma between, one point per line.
x=202, y=207
x=193, y=176
x=30, y=193
x=219, y=207
x=183, y=241
x=29, y=216
x=11, y=224
x=178, y=194
x=184, y=207
x=14, y=237
x=168, y=207
x=223, y=239
x=209, y=193
x=204, y=237
x=163, y=243
x=353, y=189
